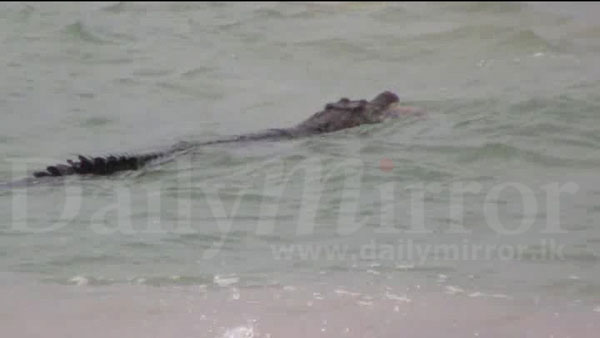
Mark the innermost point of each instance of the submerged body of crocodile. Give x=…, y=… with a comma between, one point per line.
x=335, y=116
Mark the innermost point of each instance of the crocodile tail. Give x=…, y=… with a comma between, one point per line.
x=104, y=165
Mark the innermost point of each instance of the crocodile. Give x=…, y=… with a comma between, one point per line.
x=335, y=116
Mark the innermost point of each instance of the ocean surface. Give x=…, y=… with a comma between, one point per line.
x=492, y=195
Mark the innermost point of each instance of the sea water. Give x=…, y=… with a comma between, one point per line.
x=479, y=217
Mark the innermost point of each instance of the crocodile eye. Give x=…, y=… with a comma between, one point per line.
x=344, y=100
x=359, y=108
x=324, y=128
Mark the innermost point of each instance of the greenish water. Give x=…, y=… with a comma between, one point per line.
x=511, y=93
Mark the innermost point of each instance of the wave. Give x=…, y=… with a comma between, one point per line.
x=83, y=33
x=80, y=31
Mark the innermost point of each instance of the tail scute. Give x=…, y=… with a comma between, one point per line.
x=97, y=165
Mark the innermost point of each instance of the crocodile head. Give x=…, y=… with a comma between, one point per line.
x=347, y=113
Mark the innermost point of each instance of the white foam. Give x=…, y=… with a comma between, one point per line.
x=453, y=290
x=239, y=332
x=405, y=266
x=402, y=298
x=481, y=294
x=289, y=288
x=225, y=281
x=343, y=292
x=364, y=303
x=235, y=294
x=476, y=294
x=79, y=280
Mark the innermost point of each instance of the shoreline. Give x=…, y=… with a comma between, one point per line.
x=309, y=310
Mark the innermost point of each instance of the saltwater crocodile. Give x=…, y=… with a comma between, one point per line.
x=335, y=116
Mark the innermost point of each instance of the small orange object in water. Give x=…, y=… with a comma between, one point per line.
x=386, y=165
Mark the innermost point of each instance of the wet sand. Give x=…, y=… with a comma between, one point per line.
x=282, y=311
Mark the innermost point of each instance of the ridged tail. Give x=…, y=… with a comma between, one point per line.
x=98, y=165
